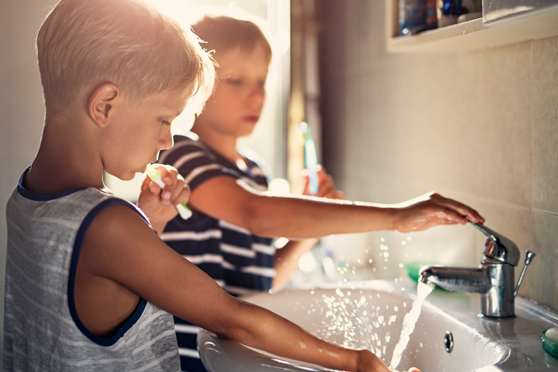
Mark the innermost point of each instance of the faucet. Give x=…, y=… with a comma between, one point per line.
x=493, y=279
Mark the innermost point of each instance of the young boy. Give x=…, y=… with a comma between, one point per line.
x=228, y=235
x=89, y=285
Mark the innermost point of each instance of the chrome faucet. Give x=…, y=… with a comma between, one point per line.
x=493, y=279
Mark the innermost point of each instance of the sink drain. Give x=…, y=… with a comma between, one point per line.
x=448, y=341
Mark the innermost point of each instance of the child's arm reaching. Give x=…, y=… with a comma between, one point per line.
x=120, y=254
x=231, y=200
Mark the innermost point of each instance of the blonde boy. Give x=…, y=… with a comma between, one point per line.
x=89, y=285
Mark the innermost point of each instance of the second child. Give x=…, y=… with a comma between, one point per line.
x=230, y=233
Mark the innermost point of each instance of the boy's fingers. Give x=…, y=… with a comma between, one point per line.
x=166, y=174
x=148, y=184
x=183, y=196
x=468, y=212
x=174, y=183
x=326, y=189
x=178, y=189
x=321, y=172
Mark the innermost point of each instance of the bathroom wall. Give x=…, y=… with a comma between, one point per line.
x=479, y=127
x=21, y=103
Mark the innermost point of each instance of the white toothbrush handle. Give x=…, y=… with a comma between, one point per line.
x=183, y=211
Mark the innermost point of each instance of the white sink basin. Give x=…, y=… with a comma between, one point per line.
x=370, y=315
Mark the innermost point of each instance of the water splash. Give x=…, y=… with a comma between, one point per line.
x=409, y=322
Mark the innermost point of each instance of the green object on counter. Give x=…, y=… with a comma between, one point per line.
x=550, y=346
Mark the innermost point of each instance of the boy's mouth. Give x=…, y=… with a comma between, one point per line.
x=252, y=119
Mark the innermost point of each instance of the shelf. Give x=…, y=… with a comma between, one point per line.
x=475, y=35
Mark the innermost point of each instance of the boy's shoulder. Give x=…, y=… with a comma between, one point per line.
x=78, y=204
x=257, y=164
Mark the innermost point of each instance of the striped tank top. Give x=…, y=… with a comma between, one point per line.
x=42, y=331
x=240, y=262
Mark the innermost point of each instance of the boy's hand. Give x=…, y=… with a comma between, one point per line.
x=326, y=186
x=160, y=205
x=430, y=210
x=369, y=362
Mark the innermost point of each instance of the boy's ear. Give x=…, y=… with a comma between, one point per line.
x=101, y=103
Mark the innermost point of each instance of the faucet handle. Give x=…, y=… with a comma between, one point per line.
x=498, y=246
x=528, y=258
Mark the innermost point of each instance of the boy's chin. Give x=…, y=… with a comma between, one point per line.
x=126, y=176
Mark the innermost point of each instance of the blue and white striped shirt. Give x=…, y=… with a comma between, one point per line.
x=240, y=262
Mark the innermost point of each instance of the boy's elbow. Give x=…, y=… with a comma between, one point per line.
x=232, y=333
x=236, y=325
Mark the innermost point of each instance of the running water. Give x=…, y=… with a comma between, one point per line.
x=409, y=322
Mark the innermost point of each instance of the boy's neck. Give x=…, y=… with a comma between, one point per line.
x=64, y=162
x=222, y=143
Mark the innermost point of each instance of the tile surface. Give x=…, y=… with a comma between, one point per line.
x=504, y=133
x=544, y=92
x=479, y=127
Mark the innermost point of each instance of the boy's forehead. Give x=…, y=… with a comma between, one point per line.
x=239, y=58
x=173, y=102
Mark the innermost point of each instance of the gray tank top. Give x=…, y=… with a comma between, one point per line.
x=42, y=331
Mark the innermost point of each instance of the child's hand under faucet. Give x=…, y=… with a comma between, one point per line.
x=369, y=362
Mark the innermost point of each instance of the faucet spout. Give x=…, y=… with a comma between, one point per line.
x=462, y=279
x=493, y=279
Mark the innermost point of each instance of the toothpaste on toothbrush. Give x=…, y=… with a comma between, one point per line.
x=155, y=176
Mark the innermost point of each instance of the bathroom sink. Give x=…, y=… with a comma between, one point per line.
x=370, y=315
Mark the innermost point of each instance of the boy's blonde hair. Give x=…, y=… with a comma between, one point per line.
x=85, y=43
x=222, y=33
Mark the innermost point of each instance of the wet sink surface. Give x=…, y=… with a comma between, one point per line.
x=370, y=315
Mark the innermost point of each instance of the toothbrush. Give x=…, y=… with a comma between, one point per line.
x=155, y=176
x=310, y=157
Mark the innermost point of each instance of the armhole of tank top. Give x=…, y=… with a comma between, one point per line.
x=72, y=277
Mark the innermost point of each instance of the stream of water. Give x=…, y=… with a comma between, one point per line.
x=409, y=322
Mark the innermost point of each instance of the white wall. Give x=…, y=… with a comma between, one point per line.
x=21, y=102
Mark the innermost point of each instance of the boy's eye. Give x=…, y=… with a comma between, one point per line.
x=165, y=122
x=234, y=81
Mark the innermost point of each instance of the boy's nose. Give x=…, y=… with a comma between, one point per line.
x=257, y=96
x=166, y=141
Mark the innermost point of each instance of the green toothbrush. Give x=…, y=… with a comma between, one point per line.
x=310, y=157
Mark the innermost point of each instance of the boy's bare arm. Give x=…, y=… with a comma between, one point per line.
x=228, y=199
x=285, y=260
x=120, y=248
